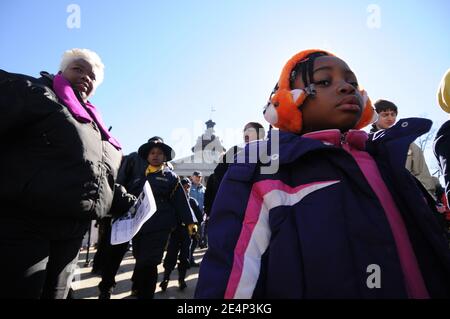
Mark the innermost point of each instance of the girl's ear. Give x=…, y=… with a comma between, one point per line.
x=368, y=115
x=283, y=111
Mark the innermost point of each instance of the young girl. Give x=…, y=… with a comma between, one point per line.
x=341, y=218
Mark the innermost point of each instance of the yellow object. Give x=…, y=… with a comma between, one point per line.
x=192, y=229
x=153, y=169
x=443, y=93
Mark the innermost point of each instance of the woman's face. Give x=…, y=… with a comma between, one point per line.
x=81, y=77
x=337, y=103
x=156, y=156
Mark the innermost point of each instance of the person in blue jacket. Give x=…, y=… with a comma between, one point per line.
x=172, y=208
x=330, y=214
x=197, y=192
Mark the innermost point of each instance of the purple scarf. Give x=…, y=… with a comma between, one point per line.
x=66, y=94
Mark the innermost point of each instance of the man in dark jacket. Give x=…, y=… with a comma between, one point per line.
x=57, y=172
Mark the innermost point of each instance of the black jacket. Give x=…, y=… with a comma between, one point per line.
x=132, y=173
x=51, y=164
x=441, y=149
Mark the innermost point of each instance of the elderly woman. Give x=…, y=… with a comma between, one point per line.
x=58, y=169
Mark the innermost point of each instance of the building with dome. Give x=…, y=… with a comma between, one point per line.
x=205, y=154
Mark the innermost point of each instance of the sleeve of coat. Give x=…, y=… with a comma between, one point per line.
x=181, y=205
x=224, y=228
x=210, y=194
x=125, y=170
x=196, y=209
x=122, y=201
x=15, y=101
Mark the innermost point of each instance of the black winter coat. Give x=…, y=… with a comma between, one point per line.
x=51, y=165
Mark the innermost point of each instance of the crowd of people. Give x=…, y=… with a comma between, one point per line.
x=341, y=201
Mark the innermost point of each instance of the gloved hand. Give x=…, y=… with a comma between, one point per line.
x=90, y=191
x=192, y=229
x=122, y=201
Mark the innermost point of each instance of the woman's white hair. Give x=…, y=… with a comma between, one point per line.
x=87, y=55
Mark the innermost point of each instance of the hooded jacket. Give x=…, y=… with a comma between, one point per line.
x=318, y=228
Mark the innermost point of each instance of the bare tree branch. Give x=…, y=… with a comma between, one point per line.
x=423, y=140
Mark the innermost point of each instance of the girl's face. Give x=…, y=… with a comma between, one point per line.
x=156, y=156
x=337, y=103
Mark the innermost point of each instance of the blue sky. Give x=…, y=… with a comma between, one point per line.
x=167, y=63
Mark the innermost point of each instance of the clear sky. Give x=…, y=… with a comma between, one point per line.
x=169, y=62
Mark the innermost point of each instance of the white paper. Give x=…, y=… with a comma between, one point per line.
x=127, y=226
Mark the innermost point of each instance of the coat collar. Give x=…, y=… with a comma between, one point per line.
x=285, y=147
x=354, y=138
x=396, y=139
